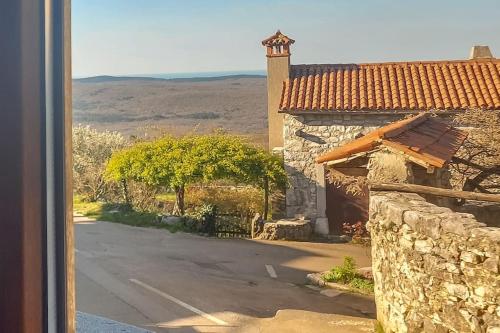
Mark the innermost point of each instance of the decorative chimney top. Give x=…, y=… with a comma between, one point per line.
x=480, y=52
x=278, y=45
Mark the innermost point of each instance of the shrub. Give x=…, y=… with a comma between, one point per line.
x=142, y=197
x=344, y=273
x=207, y=216
x=357, y=232
x=91, y=151
x=361, y=284
x=347, y=274
x=239, y=201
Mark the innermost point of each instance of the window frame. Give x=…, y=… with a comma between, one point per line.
x=36, y=242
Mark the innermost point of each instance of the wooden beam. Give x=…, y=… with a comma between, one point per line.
x=68, y=168
x=350, y=158
x=442, y=192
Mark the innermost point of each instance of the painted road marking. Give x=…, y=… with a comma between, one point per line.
x=181, y=303
x=271, y=271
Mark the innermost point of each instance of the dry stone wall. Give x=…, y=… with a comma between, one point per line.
x=309, y=135
x=435, y=270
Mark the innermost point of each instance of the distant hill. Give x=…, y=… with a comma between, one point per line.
x=140, y=105
x=108, y=78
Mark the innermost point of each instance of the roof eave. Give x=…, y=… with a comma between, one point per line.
x=351, y=112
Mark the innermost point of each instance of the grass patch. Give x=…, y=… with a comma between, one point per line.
x=347, y=274
x=362, y=284
x=129, y=217
x=120, y=213
x=90, y=209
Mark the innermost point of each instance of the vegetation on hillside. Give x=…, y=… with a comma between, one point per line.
x=154, y=107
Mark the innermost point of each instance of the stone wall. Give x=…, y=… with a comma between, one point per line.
x=435, y=270
x=486, y=212
x=306, y=137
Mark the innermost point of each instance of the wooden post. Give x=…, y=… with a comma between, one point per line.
x=412, y=188
x=266, y=197
x=252, y=230
x=68, y=170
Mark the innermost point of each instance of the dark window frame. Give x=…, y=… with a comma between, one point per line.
x=36, y=241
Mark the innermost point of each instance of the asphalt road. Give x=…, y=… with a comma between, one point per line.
x=186, y=283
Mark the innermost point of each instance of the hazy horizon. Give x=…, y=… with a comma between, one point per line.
x=183, y=75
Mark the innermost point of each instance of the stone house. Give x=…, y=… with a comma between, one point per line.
x=316, y=107
x=414, y=150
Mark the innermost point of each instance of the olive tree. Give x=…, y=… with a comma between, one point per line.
x=178, y=162
x=91, y=152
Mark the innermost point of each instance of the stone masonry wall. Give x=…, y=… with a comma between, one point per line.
x=306, y=137
x=434, y=270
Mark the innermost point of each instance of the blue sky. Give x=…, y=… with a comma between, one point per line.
x=120, y=37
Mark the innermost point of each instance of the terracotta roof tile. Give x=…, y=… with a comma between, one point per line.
x=370, y=88
x=483, y=85
x=442, y=85
x=330, y=93
x=490, y=85
x=422, y=137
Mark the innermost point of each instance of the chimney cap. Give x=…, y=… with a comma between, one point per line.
x=277, y=39
x=480, y=52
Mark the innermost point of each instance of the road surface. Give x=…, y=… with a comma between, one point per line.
x=187, y=283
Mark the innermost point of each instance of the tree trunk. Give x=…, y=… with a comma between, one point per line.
x=126, y=195
x=179, y=200
x=266, y=197
x=98, y=192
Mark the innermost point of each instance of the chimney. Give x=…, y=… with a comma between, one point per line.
x=278, y=70
x=480, y=52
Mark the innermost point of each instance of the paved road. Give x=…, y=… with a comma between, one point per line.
x=186, y=283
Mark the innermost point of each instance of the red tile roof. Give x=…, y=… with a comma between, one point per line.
x=403, y=86
x=421, y=137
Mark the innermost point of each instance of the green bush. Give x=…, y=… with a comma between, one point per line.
x=361, y=284
x=347, y=274
x=177, y=163
x=207, y=215
x=344, y=273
